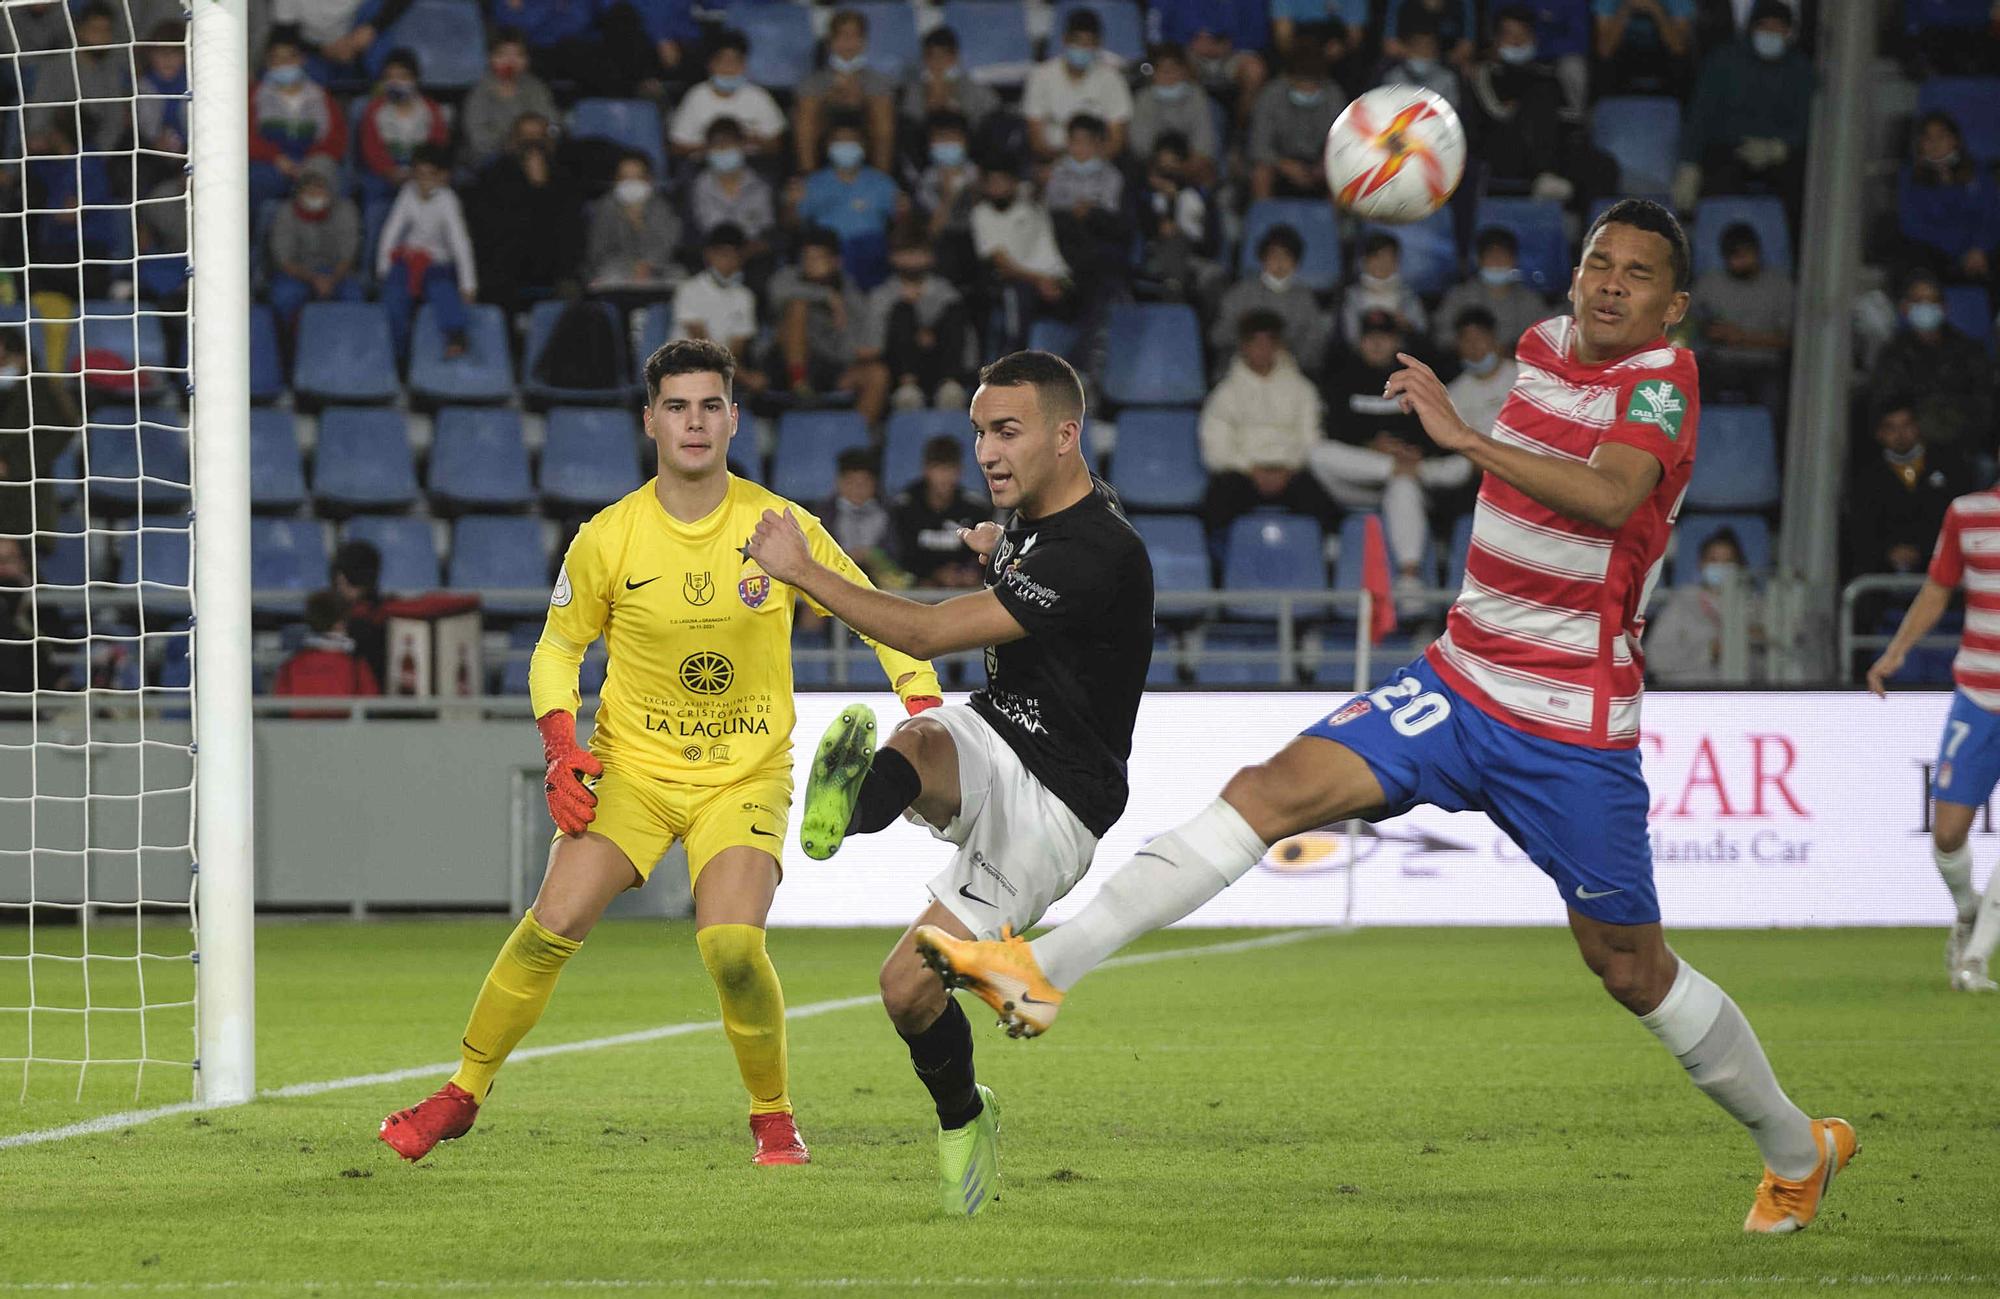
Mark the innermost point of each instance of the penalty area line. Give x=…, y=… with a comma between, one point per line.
x=133, y=1118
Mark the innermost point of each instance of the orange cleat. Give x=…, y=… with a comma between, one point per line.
x=444, y=1115
x=1004, y=975
x=1785, y=1206
x=778, y=1140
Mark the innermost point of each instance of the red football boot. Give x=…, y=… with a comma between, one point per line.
x=778, y=1140
x=441, y=1116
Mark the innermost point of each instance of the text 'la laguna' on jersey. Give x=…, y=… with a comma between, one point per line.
x=1065, y=696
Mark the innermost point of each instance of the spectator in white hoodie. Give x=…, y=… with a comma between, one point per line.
x=1257, y=427
x=426, y=253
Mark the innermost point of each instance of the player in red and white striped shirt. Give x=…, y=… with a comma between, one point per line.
x=1527, y=708
x=1968, y=762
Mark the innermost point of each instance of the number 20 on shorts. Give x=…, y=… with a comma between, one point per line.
x=1412, y=709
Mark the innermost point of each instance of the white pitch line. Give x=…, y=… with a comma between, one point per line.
x=133, y=1118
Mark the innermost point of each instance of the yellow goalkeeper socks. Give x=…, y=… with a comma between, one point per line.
x=753, y=1010
x=515, y=994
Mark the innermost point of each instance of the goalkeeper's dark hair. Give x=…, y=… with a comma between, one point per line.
x=1058, y=391
x=690, y=356
x=1653, y=218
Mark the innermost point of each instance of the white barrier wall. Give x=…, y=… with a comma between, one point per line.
x=1768, y=809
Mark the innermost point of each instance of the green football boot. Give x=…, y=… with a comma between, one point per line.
x=969, y=1161
x=839, y=767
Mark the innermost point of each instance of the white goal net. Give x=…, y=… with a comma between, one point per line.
x=101, y=949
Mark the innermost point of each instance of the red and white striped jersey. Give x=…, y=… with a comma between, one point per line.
x=1968, y=553
x=1545, y=633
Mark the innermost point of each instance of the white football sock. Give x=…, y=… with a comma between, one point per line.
x=1986, y=930
x=1715, y=1044
x=1170, y=878
x=1956, y=867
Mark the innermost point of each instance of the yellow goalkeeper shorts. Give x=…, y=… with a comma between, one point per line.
x=644, y=816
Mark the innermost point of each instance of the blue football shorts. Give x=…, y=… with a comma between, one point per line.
x=1968, y=762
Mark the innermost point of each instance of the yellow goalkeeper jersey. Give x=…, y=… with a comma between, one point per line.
x=699, y=684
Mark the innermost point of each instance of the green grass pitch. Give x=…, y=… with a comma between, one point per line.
x=1388, y=1111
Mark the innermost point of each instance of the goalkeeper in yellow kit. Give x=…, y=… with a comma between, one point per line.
x=693, y=742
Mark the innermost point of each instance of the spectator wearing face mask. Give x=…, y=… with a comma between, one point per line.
x=1485, y=373
x=314, y=245
x=1423, y=63
x=1274, y=288
x=1643, y=47
x=854, y=200
x=1899, y=494
x=1947, y=209
x=940, y=85
x=1514, y=112
x=527, y=223
x=1174, y=228
x=1288, y=126
x=1683, y=641
x=728, y=92
x=425, y=254
x=845, y=85
x=1497, y=288
x=292, y=118
x=728, y=192
x=397, y=121
x=718, y=305
x=1174, y=104
x=1453, y=24
x=1086, y=198
x=859, y=519
x=947, y=191
x=1745, y=127
x=1743, y=319
x=1257, y=428
x=89, y=86
x=1225, y=42
x=1078, y=80
x=491, y=108
x=633, y=234
x=1025, y=274
x=1379, y=286
x=1949, y=373
x=819, y=310
x=915, y=324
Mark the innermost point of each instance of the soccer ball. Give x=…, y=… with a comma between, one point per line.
x=1396, y=154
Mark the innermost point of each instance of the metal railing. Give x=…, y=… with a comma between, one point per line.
x=1853, y=642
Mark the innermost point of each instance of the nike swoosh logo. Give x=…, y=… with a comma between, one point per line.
x=758, y=829
x=1587, y=896
x=630, y=585
x=1035, y=1001
x=968, y=894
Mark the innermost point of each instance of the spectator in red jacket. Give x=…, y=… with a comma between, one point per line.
x=292, y=118
x=326, y=666
x=399, y=120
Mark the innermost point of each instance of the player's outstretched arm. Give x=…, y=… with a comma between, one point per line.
x=1925, y=610
x=920, y=630
x=1605, y=491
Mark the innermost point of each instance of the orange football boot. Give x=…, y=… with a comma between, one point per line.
x=1786, y=1206
x=1004, y=975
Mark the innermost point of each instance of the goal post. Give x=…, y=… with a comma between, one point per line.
x=219, y=424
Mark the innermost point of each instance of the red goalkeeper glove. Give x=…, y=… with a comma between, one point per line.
x=918, y=703
x=571, y=804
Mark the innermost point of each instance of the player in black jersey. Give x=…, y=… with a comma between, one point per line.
x=1029, y=775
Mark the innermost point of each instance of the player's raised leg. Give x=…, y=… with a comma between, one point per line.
x=585, y=872
x=940, y=1042
x=732, y=900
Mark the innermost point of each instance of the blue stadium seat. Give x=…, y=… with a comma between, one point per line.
x=362, y=460
x=1972, y=102
x=500, y=553
x=374, y=215
x=277, y=472
x=1164, y=668
x=1348, y=569
x=1057, y=336
x=782, y=42
x=1430, y=251
x=267, y=365
x=1762, y=213
x=809, y=441
x=1270, y=551
x=67, y=560
x=1966, y=307
x=1123, y=35
x=1319, y=268
x=1260, y=671
x=1179, y=550
x=1694, y=529
x=1643, y=132
x=1946, y=15
x=1538, y=225
x=893, y=46
x=993, y=43
x=1737, y=468
x=630, y=123
x=903, y=448
x=448, y=38
x=590, y=457
x=287, y=560
x=479, y=460
x=138, y=461
x=1157, y=463
x=161, y=558
x=484, y=372
x=541, y=321
x=117, y=344
x=409, y=551
x=1461, y=544
x=1154, y=356
x=656, y=326
x=344, y=353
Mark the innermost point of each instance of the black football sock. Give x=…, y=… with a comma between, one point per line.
x=891, y=785
x=942, y=1057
